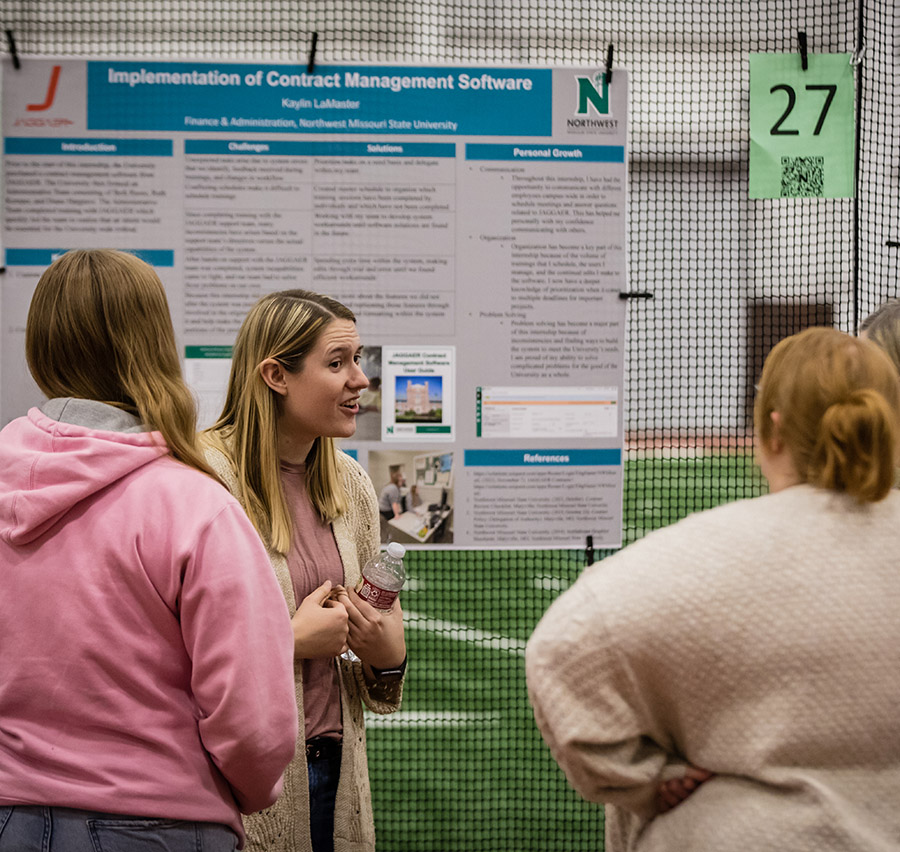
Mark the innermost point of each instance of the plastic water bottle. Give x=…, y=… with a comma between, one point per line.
x=383, y=577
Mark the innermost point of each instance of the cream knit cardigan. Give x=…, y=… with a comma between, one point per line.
x=285, y=826
x=760, y=640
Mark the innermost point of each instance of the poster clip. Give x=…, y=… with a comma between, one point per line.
x=11, y=39
x=607, y=77
x=589, y=551
x=311, y=65
x=856, y=57
x=804, y=57
x=636, y=294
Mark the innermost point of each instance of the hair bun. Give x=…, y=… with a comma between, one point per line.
x=855, y=432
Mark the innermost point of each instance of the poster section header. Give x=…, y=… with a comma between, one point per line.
x=92, y=147
x=44, y=257
x=221, y=351
x=335, y=99
x=319, y=149
x=548, y=153
x=541, y=458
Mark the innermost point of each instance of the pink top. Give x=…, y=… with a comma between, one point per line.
x=146, y=664
x=313, y=559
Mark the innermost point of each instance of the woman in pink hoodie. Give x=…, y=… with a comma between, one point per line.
x=146, y=674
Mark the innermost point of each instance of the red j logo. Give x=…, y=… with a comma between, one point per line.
x=51, y=91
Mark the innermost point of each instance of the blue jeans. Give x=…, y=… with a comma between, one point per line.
x=37, y=828
x=324, y=774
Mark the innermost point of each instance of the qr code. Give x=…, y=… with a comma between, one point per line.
x=802, y=177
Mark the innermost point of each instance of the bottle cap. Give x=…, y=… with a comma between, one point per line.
x=397, y=550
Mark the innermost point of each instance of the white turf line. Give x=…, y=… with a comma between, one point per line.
x=431, y=719
x=447, y=718
x=462, y=633
x=551, y=584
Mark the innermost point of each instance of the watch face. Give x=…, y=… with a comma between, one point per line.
x=390, y=673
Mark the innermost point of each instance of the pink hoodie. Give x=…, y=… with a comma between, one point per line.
x=146, y=655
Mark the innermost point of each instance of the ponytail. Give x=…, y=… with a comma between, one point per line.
x=856, y=447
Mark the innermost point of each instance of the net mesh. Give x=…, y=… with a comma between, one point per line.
x=462, y=768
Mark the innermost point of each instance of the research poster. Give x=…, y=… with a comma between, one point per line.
x=473, y=218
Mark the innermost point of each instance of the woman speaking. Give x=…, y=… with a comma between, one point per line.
x=295, y=386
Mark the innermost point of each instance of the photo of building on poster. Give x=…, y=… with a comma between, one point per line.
x=417, y=393
x=418, y=399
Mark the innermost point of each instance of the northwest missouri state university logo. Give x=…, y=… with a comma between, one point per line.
x=592, y=105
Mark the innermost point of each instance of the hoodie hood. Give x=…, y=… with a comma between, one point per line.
x=64, y=453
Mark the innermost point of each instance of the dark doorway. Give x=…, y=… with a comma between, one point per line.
x=770, y=320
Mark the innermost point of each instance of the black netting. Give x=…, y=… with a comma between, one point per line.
x=465, y=769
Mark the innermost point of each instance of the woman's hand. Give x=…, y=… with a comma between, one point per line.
x=673, y=792
x=321, y=625
x=375, y=636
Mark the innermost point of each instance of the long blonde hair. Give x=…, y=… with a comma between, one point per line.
x=838, y=400
x=285, y=327
x=99, y=328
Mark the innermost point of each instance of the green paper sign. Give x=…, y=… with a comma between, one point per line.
x=802, y=127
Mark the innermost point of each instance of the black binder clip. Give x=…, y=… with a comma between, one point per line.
x=589, y=551
x=311, y=65
x=892, y=243
x=804, y=57
x=607, y=77
x=636, y=294
x=11, y=40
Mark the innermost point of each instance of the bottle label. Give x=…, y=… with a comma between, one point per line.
x=376, y=596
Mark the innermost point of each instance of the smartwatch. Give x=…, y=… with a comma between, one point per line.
x=394, y=673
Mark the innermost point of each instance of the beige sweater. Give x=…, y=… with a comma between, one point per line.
x=760, y=640
x=285, y=826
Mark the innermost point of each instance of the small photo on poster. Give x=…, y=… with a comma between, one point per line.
x=415, y=495
x=418, y=399
x=417, y=387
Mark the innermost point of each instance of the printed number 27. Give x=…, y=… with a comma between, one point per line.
x=792, y=99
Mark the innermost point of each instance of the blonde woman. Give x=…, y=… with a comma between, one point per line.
x=294, y=387
x=753, y=648
x=140, y=625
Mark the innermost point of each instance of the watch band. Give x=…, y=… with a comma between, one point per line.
x=394, y=673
